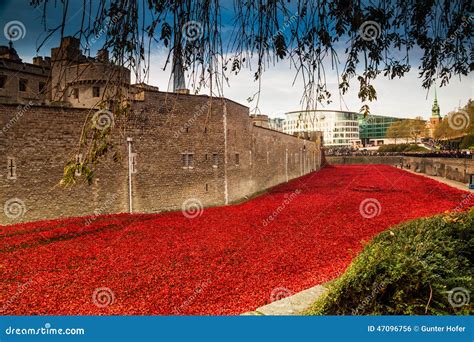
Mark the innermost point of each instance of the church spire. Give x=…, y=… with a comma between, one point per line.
x=435, y=111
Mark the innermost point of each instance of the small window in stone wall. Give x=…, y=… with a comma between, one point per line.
x=78, y=171
x=41, y=87
x=11, y=168
x=187, y=160
x=75, y=93
x=23, y=83
x=215, y=160
x=3, y=81
x=237, y=159
x=95, y=91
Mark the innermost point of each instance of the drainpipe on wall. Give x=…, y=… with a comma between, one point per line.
x=286, y=164
x=226, y=194
x=129, y=142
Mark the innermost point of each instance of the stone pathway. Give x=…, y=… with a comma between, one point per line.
x=292, y=305
x=452, y=183
x=299, y=302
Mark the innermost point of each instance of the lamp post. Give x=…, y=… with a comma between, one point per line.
x=129, y=143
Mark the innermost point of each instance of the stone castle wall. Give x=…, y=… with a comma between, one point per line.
x=38, y=140
x=450, y=168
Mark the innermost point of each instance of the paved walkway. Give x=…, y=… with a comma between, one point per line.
x=292, y=305
x=451, y=183
x=301, y=301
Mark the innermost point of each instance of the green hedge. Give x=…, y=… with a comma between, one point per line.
x=467, y=142
x=401, y=148
x=409, y=269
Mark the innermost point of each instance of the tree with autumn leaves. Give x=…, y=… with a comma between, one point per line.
x=408, y=129
x=457, y=124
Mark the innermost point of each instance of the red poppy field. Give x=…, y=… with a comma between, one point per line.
x=227, y=260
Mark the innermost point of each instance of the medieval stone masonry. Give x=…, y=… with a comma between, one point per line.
x=183, y=148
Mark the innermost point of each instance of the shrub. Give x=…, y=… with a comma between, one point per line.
x=401, y=148
x=409, y=269
x=467, y=142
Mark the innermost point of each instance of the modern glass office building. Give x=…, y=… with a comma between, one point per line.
x=340, y=128
x=373, y=128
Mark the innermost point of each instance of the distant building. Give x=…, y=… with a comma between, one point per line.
x=373, y=129
x=260, y=120
x=23, y=82
x=276, y=124
x=340, y=129
x=435, y=118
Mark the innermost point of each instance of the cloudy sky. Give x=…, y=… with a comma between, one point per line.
x=399, y=97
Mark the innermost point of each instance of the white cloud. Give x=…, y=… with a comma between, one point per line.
x=403, y=97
